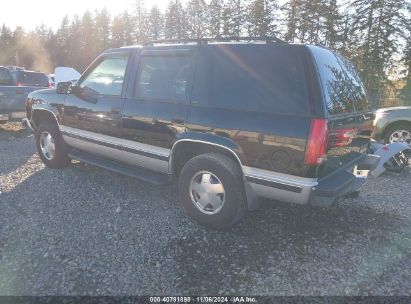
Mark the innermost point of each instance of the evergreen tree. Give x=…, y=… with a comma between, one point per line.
x=379, y=23
x=117, y=32
x=237, y=17
x=332, y=24
x=261, y=17
x=155, y=24
x=6, y=46
x=175, y=22
x=86, y=42
x=62, y=37
x=141, y=22
x=197, y=22
x=103, y=30
x=227, y=21
x=292, y=18
x=214, y=18
x=128, y=24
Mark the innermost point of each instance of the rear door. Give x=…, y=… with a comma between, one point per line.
x=156, y=108
x=347, y=106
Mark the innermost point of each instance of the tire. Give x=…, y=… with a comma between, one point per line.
x=395, y=129
x=59, y=158
x=222, y=170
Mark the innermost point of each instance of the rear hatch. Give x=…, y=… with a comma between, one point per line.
x=349, y=116
x=32, y=79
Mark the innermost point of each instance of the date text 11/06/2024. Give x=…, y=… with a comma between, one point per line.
x=203, y=300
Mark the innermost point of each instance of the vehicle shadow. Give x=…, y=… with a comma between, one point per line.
x=89, y=216
x=16, y=147
x=233, y=260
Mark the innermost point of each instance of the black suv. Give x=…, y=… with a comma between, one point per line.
x=231, y=121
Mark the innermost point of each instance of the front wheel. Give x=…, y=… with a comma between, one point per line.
x=212, y=190
x=50, y=146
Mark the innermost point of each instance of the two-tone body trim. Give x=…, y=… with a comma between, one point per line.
x=279, y=186
x=264, y=183
x=130, y=152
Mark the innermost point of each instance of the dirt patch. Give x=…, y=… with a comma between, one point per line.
x=12, y=131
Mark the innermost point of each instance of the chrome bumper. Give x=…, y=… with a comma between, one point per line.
x=317, y=192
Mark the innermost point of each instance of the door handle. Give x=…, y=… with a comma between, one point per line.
x=116, y=110
x=177, y=121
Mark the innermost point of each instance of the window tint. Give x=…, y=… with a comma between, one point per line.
x=356, y=87
x=163, y=77
x=33, y=79
x=108, y=77
x=340, y=90
x=5, y=78
x=263, y=78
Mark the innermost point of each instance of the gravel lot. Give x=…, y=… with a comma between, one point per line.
x=87, y=231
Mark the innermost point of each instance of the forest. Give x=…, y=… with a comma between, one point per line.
x=374, y=34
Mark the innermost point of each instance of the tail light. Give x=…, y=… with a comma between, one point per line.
x=19, y=84
x=316, y=150
x=342, y=137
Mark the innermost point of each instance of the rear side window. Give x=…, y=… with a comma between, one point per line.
x=261, y=78
x=343, y=89
x=356, y=90
x=33, y=79
x=163, y=77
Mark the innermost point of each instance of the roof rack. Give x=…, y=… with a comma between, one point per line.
x=267, y=39
x=13, y=67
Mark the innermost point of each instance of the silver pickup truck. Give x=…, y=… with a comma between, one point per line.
x=15, y=85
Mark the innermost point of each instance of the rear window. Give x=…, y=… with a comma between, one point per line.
x=263, y=78
x=33, y=79
x=343, y=88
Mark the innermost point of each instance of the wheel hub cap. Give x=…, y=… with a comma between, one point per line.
x=402, y=136
x=47, y=145
x=207, y=192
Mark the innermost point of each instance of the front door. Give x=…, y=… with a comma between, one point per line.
x=92, y=112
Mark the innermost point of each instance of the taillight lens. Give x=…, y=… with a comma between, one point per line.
x=19, y=84
x=316, y=151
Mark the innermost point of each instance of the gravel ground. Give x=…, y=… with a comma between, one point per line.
x=87, y=231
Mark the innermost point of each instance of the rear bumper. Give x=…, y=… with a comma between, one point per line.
x=309, y=191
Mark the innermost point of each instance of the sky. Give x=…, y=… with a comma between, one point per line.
x=30, y=13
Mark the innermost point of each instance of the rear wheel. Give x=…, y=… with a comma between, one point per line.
x=212, y=190
x=399, y=133
x=50, y=146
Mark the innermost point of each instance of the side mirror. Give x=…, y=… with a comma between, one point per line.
x=63, y=87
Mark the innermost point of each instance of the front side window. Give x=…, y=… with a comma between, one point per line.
x=163, y=77
x=5, y=78
x=107, y=78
